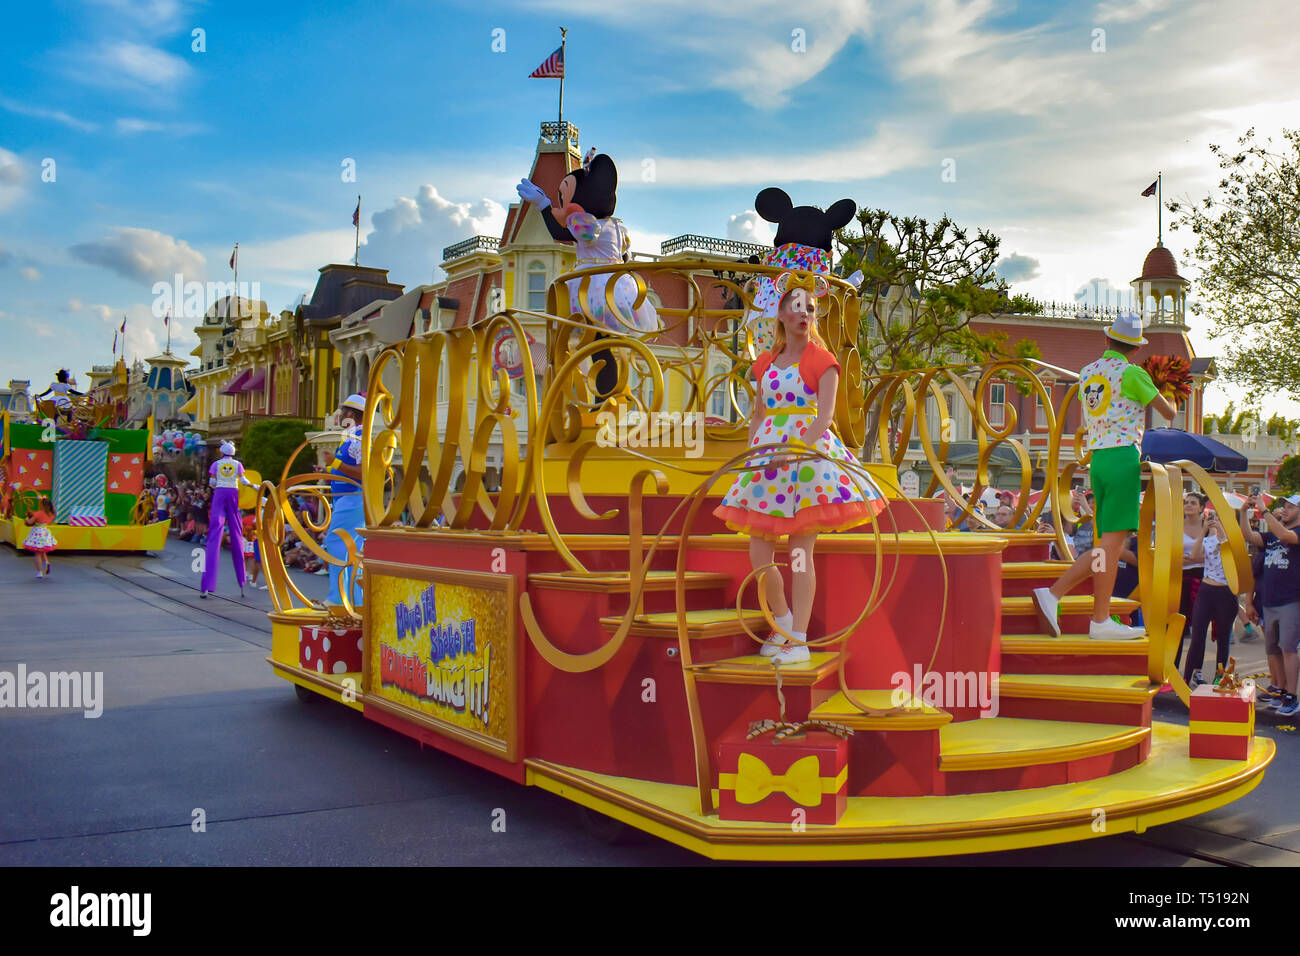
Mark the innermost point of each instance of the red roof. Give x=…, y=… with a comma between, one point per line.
x=1160, y=264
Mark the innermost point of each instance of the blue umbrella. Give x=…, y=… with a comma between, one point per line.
x=1173, y=444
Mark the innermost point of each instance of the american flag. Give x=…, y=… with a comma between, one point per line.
x=552, y=68
x=1150, y=190
x=233, y=253
x=356, y=216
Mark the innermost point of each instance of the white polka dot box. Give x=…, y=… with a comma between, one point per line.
x=329, y=651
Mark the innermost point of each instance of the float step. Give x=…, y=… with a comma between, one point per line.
x=1072, y=654
x=998, y=743
x=1019, y=578
x=1086, y=698
x=755, y=669
x=1107, y=688
x=1071, y=605
x=620, y=582
x=699, y=624
x=915, y=716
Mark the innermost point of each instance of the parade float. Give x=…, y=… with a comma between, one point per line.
x=591, y=628
x=78, y=453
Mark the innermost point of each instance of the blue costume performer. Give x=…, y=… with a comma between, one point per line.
x=347, y=511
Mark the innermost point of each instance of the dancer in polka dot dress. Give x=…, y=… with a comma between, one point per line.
x=796, y=498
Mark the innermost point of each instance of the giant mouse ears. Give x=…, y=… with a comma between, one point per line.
x=839, y=215
x=597, y=186
x=773, y=204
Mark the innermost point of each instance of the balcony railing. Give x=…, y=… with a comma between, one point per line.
x=555, y=132
x=470, y=246
x=708, y=244
x=1099, y=313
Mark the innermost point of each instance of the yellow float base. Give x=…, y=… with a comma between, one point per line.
x=113, y=537
x=609, y=471
x=1168, y=786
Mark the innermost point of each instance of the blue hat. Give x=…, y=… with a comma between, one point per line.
x=1127, y=328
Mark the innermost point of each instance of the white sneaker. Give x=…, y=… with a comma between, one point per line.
x=1048, y=603
x=1109, y=630
x=793, y=653
x=774, y=640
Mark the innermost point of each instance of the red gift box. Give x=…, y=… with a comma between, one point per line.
x=328, y=651
x=767, y=781
x=33, y=468
x=125, y=472
x=1222, y=726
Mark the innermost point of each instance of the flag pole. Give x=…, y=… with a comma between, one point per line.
x=238, y=311
x=356, y=254
x=1160, y=234
x=563, y=69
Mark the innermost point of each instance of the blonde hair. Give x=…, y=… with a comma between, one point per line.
x=778, y=345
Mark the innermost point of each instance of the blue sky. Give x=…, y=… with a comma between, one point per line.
x=164, y=156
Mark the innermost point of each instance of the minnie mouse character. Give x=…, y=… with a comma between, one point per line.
x=588, y=196
x=61, y=388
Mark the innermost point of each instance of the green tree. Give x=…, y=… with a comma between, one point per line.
x=1288, y=476
x=1247, y=254
x=924, y=284
x=269, y=443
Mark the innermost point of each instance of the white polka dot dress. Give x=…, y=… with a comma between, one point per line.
x=806, y=497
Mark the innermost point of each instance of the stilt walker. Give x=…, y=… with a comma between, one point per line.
x=225, y=475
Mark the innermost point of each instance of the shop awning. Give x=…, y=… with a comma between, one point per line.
x=191, y=407
x=257, y=381
x=238, y=384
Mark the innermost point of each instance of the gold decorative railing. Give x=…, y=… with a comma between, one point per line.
x=413, y=446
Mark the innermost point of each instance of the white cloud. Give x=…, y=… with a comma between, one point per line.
x=11, y=178
x=160, y=16
x=894, y=146
x=103, y=311
x=58, y=116
x=646, y=242
x=129, y=125
x=749, y=226
x=750, y=48
x=130, y=66
x=409, y=236
x=1127, y=11
x=144, y=254
x=30, y=274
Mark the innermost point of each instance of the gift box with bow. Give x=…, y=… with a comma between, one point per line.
x=768, y=781
x=1221, y=726
x=326, y=650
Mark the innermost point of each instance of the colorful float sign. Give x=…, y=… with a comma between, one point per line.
x=442, y=645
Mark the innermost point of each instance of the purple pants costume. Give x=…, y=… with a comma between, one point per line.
x=223, y=513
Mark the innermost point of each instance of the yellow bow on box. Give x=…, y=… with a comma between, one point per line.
x=801, y=783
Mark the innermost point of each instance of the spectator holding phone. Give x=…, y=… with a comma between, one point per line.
x=1279, y=595
x=1215, y=603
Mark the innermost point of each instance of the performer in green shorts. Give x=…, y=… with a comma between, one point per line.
x=1114, y=395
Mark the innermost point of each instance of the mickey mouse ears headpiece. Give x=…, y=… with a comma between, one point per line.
x=811, y=282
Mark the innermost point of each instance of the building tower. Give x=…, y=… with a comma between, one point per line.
x=1160, y=293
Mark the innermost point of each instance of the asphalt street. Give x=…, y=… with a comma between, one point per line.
x=194, y=724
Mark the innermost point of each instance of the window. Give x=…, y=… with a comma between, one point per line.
x=537, y=286
x=718, y=407
x=997, y=405
x=1040, y=413
x=442, y=382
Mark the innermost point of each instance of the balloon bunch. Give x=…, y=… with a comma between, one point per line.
x=177, y=442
